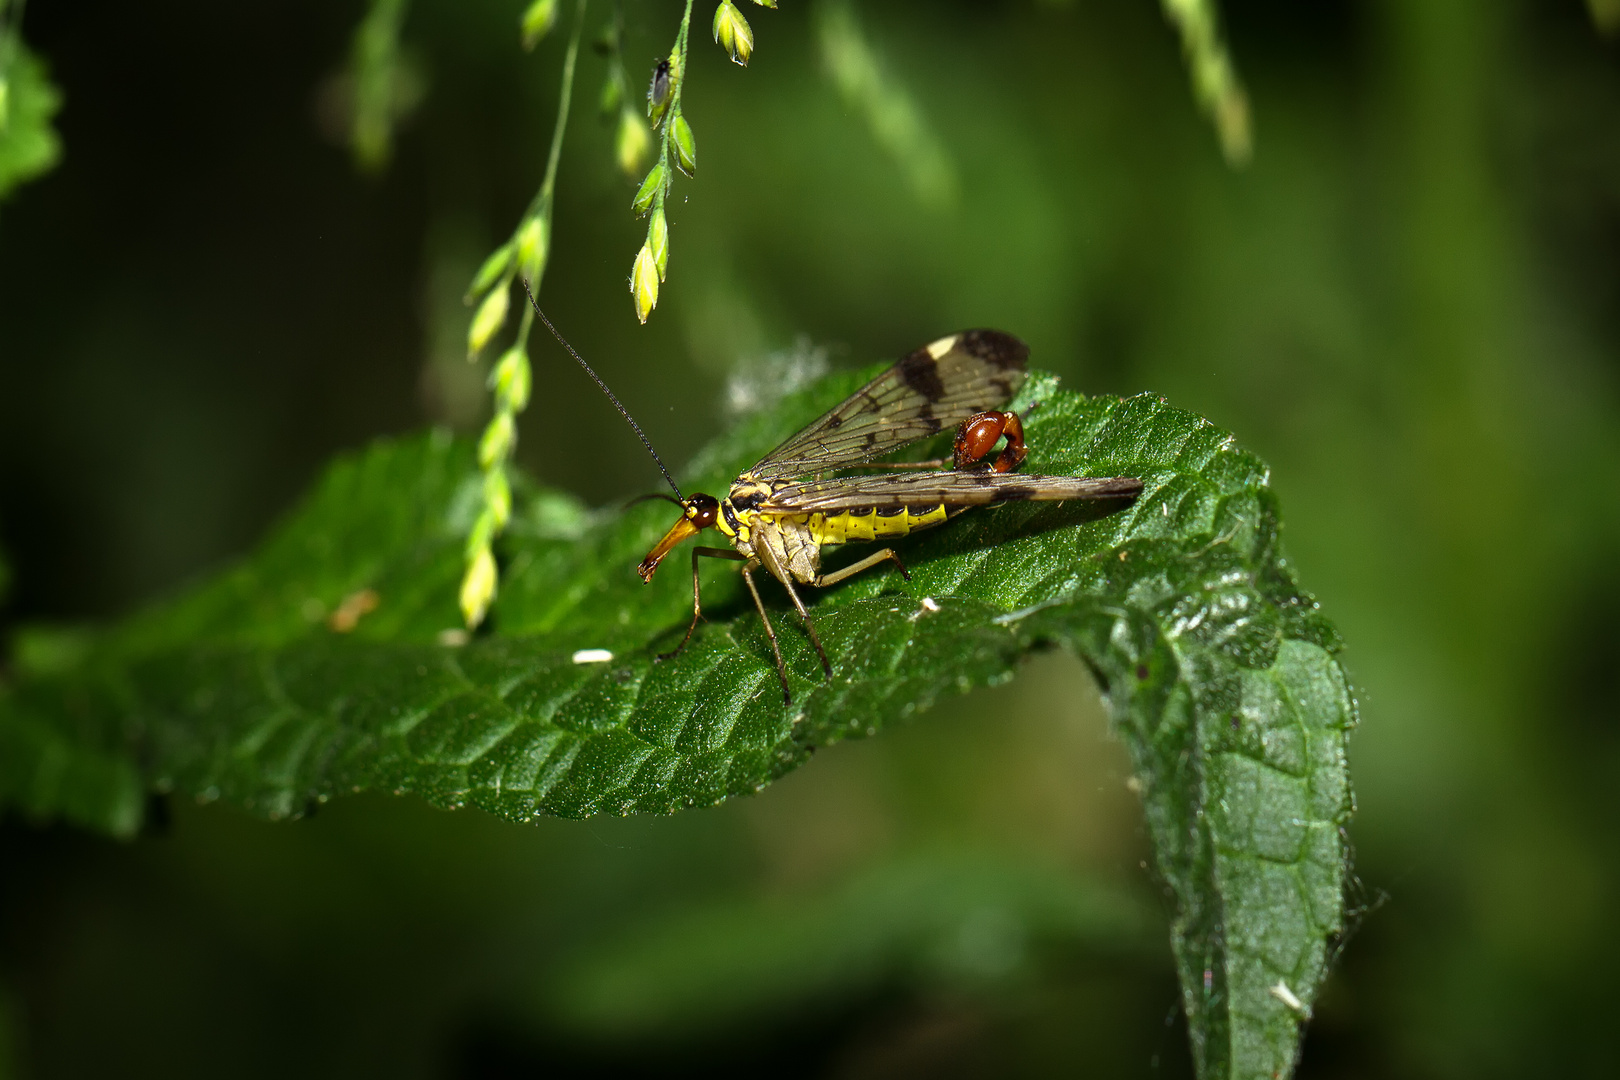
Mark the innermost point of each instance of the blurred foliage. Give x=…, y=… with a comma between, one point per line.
x=10, y=1051
x=1214, y=78
x=28, y=144
x=896, y=120
x=1406, y=305
x=962, y=919
x=382, y=86
x=1605, y=14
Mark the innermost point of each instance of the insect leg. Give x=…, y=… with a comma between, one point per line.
x=771, y=560
x=809, y=626
x=854, y=568
x=697, y=607
x=770, y=631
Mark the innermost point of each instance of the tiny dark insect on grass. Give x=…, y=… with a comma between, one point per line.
x=776, y=518
x=658, y=89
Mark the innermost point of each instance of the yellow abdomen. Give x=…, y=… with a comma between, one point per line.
x=853, y=525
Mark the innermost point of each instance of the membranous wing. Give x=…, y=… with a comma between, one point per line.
x=930, y=489
x=931, y=390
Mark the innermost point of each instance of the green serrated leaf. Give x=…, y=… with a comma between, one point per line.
x=1222, y=676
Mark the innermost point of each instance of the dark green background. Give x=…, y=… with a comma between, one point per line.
x=1407, y=304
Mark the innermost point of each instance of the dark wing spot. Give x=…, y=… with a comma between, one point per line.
x=921, y=373
x=1016, y=491
x=995, y=348
x=835, y=420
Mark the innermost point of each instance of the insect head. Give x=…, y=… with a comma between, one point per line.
x=698, y=512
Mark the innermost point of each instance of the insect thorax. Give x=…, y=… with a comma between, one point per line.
x=796, y=538
x=782, y=542
x=739, y=519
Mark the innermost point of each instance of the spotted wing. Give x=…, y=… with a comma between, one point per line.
x=930, y=489
x=930, y=390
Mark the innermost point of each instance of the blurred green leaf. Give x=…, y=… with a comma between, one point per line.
x=1219, y=671
x=384, y=84
x=1214, y=77
x=1605, y=15
x=965, y=919
x=892, y=113
x=28, y=144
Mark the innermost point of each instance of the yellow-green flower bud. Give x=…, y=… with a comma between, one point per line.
x=538, y=21
x=481, y=535
x=498, y=497
x=658, y=240
x=766, y=3
x=644, y=282
x=497, y=440
x=478, y=586
x=533, y=241
x=510, y=380
x=649, y=189
x=490, y=317
x=633, y=142
x=733, y=33
x=685, y=145
x=494, y=268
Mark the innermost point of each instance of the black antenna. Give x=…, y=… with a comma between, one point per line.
x=639, y=499
x=622, y=410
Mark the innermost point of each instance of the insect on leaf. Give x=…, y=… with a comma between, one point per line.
x=1220, y=673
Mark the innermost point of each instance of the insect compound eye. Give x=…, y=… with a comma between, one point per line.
x=703, y=510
